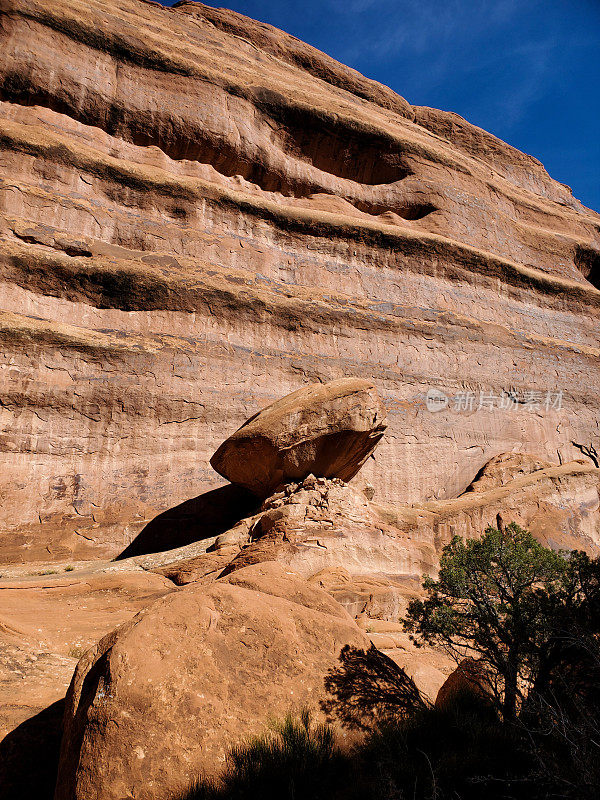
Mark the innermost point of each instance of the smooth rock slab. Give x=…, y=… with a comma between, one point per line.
x=161, y=699
x=327, y=429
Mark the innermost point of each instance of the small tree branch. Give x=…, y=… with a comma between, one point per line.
x=589, y=451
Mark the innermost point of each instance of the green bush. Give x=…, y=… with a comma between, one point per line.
x=297, y=760
x=499, y=598
x=450, y=755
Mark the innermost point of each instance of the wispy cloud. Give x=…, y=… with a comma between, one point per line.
x=433, y=44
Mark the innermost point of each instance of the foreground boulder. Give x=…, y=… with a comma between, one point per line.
x=469, y=686
x=161, y=699
x=327, y=429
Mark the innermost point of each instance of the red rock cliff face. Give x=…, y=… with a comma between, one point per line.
x=202, y=214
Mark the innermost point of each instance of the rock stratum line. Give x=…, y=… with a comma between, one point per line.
x=201, y=214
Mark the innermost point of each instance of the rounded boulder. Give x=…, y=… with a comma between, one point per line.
x=327, y=429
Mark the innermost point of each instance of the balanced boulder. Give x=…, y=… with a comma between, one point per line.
x=328, y=430
x=158, y=702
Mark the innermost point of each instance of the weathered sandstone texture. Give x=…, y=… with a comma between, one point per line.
x=327, y=430
x=366, y=556
x=201, y=214
x=370, y=557
x=159, y=701
x=46, y=623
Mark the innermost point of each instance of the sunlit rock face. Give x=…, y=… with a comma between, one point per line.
x=191, y=676
x=202, y=214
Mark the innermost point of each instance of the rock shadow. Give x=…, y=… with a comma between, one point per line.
x=209, y=514
x=369, y=687
x=29, y=756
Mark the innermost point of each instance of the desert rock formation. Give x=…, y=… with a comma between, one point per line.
x=46, y=623
x=201, y=214
x=326, y=429
x=321, y=544
x=159, y=701
x=468, y=685
x=370, y=556
x=262, y=615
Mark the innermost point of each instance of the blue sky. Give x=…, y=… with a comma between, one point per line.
x=526, y=70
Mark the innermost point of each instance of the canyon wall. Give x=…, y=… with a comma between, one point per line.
x=201, y=213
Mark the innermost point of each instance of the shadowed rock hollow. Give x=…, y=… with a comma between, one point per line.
x=201, y=214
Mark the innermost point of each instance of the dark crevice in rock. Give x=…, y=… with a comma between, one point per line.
x=587, y=261
x=177, y=141
x=220, y=155
x=124, y=46
x=409, y=211
x=334, y=147
x=304, y=134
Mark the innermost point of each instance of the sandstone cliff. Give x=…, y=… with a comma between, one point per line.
x=201, y=214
